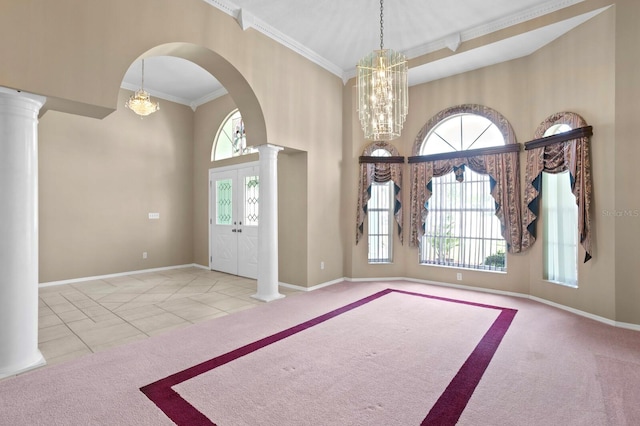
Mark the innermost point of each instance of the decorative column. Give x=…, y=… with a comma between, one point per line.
x=268, y=225
x=19, y=232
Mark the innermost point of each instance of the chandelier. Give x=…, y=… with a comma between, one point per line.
x=140, y=102
x=382, y=91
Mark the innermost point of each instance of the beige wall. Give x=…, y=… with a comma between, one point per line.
x=99, y=179
x=292, y=192
x=561, y=80
x=627, y=153
x=561, y=76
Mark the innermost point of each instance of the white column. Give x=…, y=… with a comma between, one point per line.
x=268, y=225
x=19, y=232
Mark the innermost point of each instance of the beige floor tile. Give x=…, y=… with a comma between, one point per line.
x=120, y=342
x=84, y=303
x=49, y=321
x=67, y=357
x=158, y=322
x=221, y=285
x=73, y=295
x=95, y=287
x=164, y=330
x=72, y=316
x=65, y=306
x=241, y=308
x=230, y=303
x=141, y=312
x=210, y=298
x=151, y=298
x=118, y=297
x=112, y=306
x=62, y=346
x=54, y=332
x=96, y=337
x=95, y=311
x=209, y=317
x=89, y=324
x=196, y=311
x=45, y=310
x=237, y=291
x=131, y=305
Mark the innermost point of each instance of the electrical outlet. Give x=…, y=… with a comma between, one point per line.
x=144, y=254
x=154, y=215
x=459, y=276
x=322, y=265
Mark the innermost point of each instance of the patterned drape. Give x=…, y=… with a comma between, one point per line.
x=380, y=172
x=503, y=169
x=572, y=155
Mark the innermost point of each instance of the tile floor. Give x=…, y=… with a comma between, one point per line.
x=81, y=318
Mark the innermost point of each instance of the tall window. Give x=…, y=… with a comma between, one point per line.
x=230, y=140
x=380, y=217
x=461, y=229
x=560, y=230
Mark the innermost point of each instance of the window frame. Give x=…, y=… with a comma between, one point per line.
x=497, y=260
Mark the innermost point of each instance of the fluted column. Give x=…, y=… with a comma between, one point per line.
x=268, y=225
x=19, y=232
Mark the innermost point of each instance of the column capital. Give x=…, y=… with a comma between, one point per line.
x=268, y=149
x=30, y=97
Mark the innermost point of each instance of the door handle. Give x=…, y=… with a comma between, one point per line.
x=234, y=230
x=239, y=230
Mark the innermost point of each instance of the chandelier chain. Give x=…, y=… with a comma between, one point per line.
x=381, y=25
x=142, y=84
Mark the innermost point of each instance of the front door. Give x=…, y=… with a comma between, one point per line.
x=234, y=221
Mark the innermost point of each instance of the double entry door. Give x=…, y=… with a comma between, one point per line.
x=233, y=239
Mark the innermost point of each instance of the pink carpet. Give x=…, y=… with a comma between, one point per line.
x=362, y=366
x=353, y=354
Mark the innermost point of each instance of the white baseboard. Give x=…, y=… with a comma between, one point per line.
x=598, y=318
x=315, y=287
x=120, y=274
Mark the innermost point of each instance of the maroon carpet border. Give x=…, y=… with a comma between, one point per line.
x=446, y=411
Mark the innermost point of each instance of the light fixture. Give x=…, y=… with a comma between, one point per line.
x=140, y=102
x=382, y=91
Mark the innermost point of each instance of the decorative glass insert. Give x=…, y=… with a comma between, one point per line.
x=231, y=140
x=224, y=201
x=251, y=187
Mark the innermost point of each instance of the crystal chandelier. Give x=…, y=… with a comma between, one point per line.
x=382, y=91
x=140, y=102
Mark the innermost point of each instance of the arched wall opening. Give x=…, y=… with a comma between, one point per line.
x=230, y=78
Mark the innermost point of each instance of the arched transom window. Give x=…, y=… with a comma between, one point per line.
x=230, y=140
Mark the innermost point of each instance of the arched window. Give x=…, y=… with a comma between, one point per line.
x=558, y=188
x=230, y=140
x=380, y=217
x=462, y=229
x=560, y=224
x=465, y=192
x=380, y=199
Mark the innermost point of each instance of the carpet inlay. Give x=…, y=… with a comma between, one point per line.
x=446, y=409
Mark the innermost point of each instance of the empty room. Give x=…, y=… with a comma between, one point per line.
x=303, y=212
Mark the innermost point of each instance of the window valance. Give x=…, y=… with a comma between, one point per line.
x=501, y=163
x=556, y=154
x=380, y=170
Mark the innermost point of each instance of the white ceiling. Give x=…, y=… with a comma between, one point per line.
x=336, y=34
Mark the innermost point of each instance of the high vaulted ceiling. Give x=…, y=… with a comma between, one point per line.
x=336, y=34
